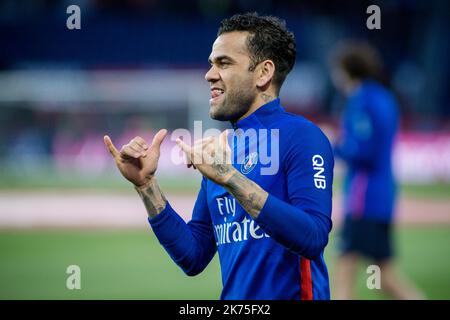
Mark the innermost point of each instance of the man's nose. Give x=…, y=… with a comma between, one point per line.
x=212, y=75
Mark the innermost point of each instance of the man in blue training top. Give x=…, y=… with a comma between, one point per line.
x=369, y=126
x=268, y=220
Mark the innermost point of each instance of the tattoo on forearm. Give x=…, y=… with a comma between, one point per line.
x=251, y=196
x=266, y=97
x=153, y=198
x=221, y=168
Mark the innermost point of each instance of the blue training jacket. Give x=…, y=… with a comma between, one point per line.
x=370, y=124
x=280, y=254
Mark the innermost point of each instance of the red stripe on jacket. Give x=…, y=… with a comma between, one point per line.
x=306, y=290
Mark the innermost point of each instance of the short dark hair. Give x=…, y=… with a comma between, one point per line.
x=268, y=39
x=358, y=59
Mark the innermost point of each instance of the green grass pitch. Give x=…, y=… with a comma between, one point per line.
x=130, y=264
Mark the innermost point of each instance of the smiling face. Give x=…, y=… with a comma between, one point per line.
x=233, y=86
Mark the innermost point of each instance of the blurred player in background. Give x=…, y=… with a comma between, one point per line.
x=270, y=230
x=369, y=127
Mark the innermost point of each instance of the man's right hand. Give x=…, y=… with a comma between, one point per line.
x=137, y=161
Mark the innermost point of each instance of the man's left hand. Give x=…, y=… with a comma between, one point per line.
x=211, y=156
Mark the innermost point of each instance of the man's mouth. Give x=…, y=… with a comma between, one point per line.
x=216, y=93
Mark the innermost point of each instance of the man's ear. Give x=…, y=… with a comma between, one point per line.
x=265, y=73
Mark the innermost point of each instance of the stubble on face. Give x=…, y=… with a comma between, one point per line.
x=237, y=81
x=235, y=103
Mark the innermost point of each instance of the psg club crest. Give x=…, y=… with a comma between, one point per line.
x=249, y=163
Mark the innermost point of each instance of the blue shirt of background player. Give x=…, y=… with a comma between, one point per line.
x=369, y=125
x=279, y=255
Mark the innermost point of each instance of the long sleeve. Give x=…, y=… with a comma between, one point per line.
x=191, y=246
x=357, y=145
x=302, y=225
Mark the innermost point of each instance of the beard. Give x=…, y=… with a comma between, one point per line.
x=235, y=103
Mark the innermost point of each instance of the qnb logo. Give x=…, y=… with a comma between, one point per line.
x=319, y=177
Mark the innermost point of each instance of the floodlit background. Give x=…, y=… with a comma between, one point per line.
x=137, y=66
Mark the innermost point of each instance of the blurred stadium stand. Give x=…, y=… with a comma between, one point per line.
x=136, y=66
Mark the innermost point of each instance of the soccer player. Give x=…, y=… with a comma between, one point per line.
x=269, y=227
x=369, y=126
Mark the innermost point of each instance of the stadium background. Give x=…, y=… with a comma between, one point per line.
x=137, y=66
